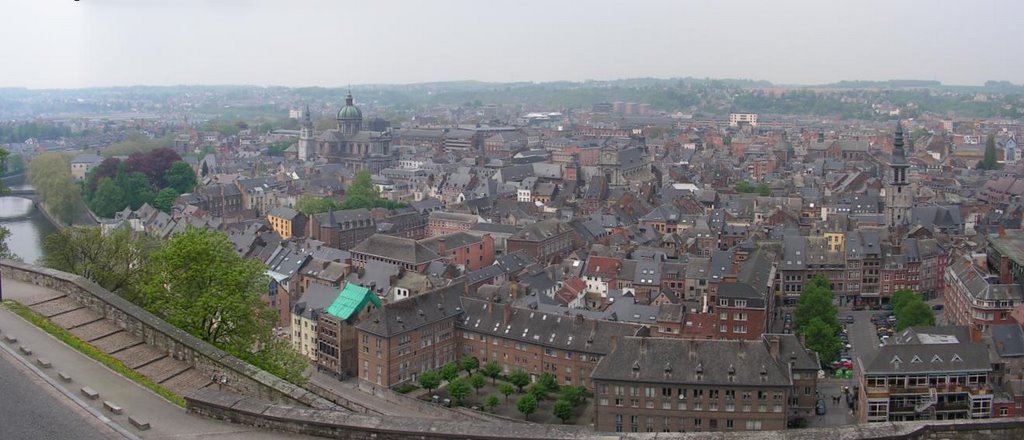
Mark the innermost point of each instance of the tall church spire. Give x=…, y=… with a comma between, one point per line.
x=898, y=192
x=897, y=142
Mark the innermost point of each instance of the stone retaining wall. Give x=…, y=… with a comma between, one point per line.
x=250, y=411
x=242, y=377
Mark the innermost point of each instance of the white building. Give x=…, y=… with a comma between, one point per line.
x=735, y=119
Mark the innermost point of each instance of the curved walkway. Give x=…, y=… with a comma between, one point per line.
x=166, y=419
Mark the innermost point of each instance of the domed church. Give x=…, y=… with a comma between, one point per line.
x=348, y=144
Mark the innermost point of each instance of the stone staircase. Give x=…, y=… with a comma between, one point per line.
x=111, y=339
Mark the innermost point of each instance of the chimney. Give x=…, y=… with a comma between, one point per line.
x=1005, y=275
x=1002, y=231
x=615, y=343
x=506, y=313
x=442, y=250
x=773, y=346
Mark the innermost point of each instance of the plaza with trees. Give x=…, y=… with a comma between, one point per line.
x=540, y=399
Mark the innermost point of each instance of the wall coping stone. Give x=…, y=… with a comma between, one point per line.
x=27, y=273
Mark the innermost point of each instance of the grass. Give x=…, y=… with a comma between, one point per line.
x=92, y=352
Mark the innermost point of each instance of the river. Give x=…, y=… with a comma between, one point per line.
x=27, y=225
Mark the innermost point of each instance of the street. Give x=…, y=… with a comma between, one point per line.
x=33, y=410
x=167, y=420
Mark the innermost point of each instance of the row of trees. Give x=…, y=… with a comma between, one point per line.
x=5, y=251
x=194, y=281
x=761, y=189
x=361, y=193
x=156, y=177
x=816, y=318
x=50, y=175
x=910, y=310
x=137, y=143
x=459, y=388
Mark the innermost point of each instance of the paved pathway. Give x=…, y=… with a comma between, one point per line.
x=27, y=402
x=166, y=419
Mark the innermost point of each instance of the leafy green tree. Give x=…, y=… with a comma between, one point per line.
x=744, y=187
x=901, y=298
x=164, y=199
x=315, y=205
x=469, y=363
x=562, y=409
x=50, y=175
x=538, y=390
x=573, y=394
x=491, y=370
x=527, y=405
x=821, y=338
x=816, y=302
x=277, y=148
x=449, y=371
x=519, y=378
x=180, y=177
x=477, y=381
x=137, y=142
x=197, y=283
x=491, y=402
x=549, y=382
x=137, y=190
x=109, y=198
x=429, y=380
x=507, y=389
x=989, y=162
x=458, y=389
x=915, y=313
x=5, y=251
x=111, y=260
x=763, y=190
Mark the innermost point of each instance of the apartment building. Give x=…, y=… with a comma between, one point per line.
x=673, y=385
x=926, y=373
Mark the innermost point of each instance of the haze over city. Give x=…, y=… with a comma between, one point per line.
x=62, y=44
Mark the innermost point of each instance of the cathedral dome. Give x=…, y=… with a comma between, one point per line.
x=349, y=111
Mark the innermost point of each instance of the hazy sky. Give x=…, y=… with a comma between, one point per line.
x=62, y=43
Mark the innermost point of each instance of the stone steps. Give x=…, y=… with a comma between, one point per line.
x=139, y=355
x=56, y=306
x=75, y=318
x=187, y=382
x=95, y=330
x=163, y=369
x=116, y=342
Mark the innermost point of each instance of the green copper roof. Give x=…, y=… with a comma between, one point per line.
x=350, y=111
x=351, y=300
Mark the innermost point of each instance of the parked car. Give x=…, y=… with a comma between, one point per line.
x=886, y=306
x=858, y=307
x=849, y=319
x=819, y=408
x=937, y=307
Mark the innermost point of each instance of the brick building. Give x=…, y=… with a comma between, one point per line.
x=405, y=338
x=342, y=229
x=544, y=240
x=462, y=249
x=675, y=385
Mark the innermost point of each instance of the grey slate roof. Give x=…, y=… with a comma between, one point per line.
x=414, y=312
x=927, y=350
x=678, y=361
x=401, y=249
x=1008, y=340
x=548, y=329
